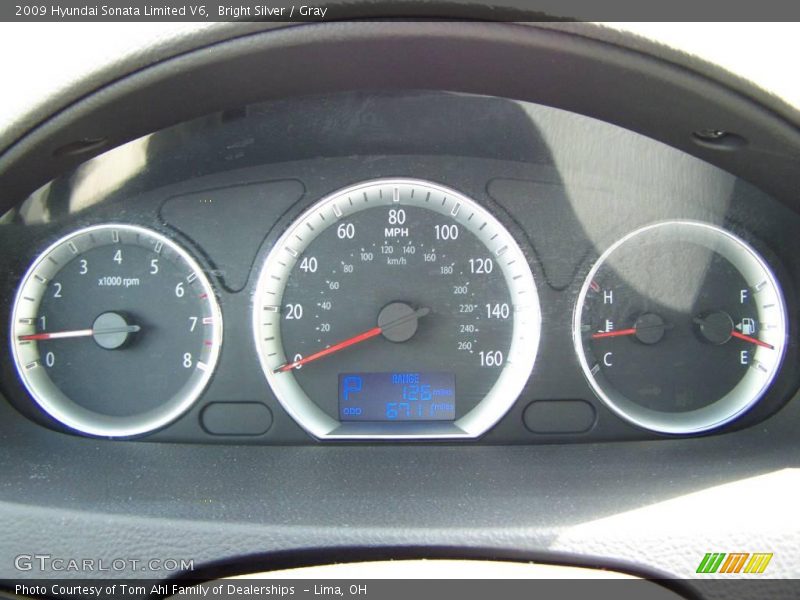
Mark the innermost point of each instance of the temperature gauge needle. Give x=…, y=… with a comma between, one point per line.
x=635, y=330
x=356, y=339
x=76, y=333
x=617, y=333
x=649, y=329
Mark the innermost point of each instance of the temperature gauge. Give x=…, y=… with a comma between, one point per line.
x=680, y=327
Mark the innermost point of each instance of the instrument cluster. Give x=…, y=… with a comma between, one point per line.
x=394, y=297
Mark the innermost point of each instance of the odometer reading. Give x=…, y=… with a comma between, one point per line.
x=396, y=276
x=115, y=330
x=397, y=397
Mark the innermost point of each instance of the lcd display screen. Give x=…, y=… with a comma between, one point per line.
x=401, y=396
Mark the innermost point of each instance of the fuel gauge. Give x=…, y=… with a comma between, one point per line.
x=680, y=327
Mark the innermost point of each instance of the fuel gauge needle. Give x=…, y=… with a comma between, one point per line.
x=752, y=340
x=632, y=331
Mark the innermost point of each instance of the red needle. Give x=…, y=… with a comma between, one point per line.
x=619, y=332
x=56, y=335
x=752, y=340
x=370, y=333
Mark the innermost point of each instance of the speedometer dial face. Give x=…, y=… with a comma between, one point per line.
x=680, y=327
x=115, y=330
x=397, y=309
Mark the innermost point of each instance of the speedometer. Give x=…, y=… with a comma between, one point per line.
x=396, y=309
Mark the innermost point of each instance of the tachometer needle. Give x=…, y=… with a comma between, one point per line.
x=752, y=340
x=356, y=339
x=55, y=335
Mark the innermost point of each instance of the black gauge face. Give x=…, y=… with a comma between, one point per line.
x=680, y=327
x=357, y=284
x=397, y=308
x=116, y=330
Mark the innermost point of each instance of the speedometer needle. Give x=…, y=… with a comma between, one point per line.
x=55, y=335
x=356, y=339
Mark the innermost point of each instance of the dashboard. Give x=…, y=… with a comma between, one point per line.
x=227, y=320
x=397, y=280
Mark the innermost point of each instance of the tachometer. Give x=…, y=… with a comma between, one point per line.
x=115, y=330
x=680, y=327
x=396, y=308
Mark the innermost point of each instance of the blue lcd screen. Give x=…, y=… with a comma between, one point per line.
x=407, y=396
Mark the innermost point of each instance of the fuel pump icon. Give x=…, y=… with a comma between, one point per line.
x=747, y=326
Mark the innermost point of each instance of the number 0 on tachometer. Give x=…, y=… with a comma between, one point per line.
x=396, y=309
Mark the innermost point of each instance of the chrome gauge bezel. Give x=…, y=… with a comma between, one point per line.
x=753, y=385
x=285, y=253
x=46, y=393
